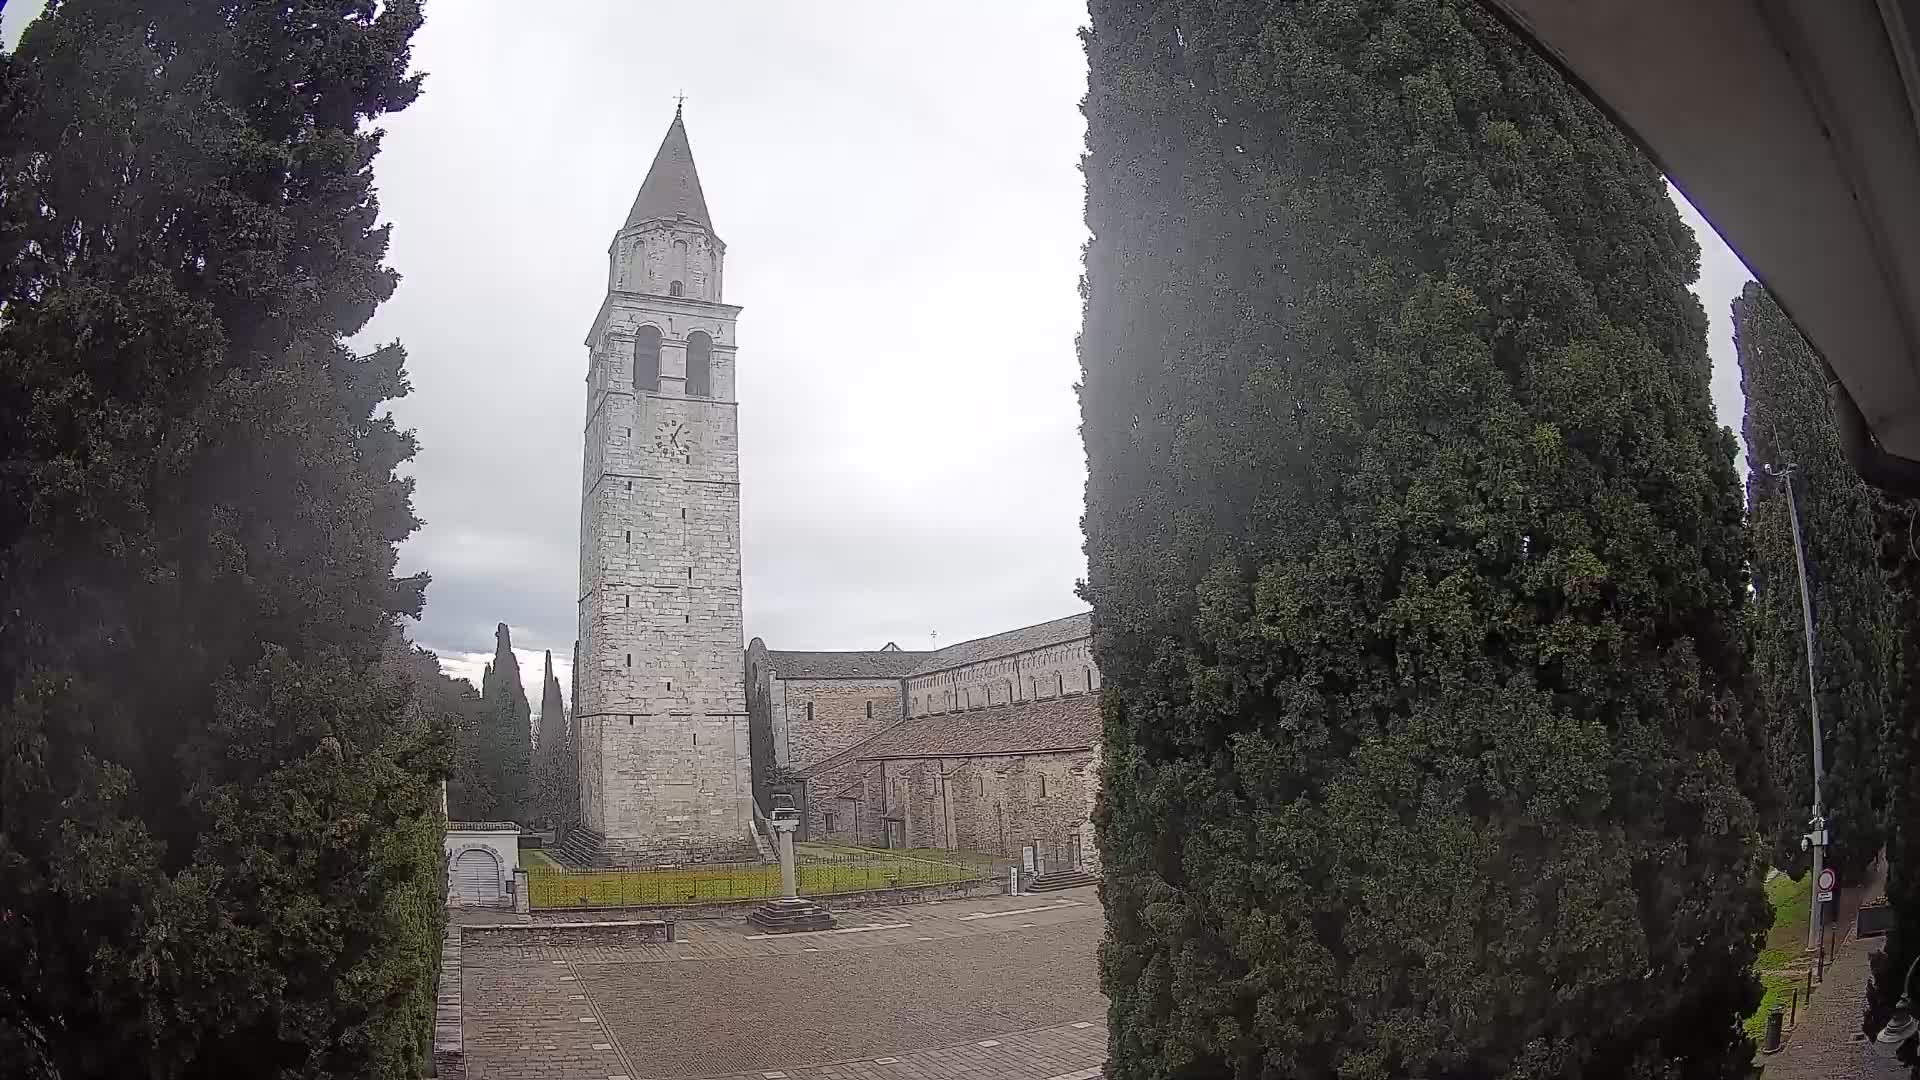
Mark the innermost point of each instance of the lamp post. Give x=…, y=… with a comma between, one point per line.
x=1900, y=1026
x=1816, y=839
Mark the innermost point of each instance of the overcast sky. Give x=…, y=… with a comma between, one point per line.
x=899, y=192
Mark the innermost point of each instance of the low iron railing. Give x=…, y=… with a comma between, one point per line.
x=820, y=870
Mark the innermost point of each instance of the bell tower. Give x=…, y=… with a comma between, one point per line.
x=661, y=715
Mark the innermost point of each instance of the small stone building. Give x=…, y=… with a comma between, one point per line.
x=997, y=779
x=481, y=858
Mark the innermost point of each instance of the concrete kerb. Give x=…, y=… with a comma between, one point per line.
x=449, y=1031
x=602, y=932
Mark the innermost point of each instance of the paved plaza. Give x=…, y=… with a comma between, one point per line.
x=1000, y=988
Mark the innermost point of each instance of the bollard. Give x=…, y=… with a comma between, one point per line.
x=1793, y=1012
x=1770, y=1042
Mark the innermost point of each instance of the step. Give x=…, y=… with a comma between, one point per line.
x=1054, y=880
x=790, y=916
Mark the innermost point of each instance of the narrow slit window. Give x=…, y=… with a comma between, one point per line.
x=1043, y=785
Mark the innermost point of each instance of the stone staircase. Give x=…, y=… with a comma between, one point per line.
x=583, y=849
x=1055, y=880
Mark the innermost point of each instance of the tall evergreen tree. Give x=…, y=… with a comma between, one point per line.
x=1900, y=765
x=550, y=753
x=506, y=742
x=1790, y=422
x=1416, y=559
x=219, y=850
x=570, y=815
x=469, y=794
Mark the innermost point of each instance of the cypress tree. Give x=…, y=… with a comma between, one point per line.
x=550, y=753
x=219, y=849
x=469, y=794
x=570, y=815
x=1416, y=560
x=505, y=745
x=1900, y=766
x=1790, y=421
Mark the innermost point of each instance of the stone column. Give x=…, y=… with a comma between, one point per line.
x=791, y=912
x=783, y=831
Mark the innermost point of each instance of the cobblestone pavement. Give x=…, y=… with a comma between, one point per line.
x=1827, y=1044
x=1001, y=987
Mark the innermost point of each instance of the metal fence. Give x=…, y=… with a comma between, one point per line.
x=819, y=870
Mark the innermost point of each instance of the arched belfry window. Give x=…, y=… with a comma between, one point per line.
x=676, y=289
x=699, y=365
x=646, y=360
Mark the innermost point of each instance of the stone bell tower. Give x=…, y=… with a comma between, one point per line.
x=661, y=714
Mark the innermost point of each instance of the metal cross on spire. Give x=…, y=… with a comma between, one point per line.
x=679, y=99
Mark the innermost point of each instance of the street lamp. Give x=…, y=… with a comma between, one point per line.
x=1901, y=1025
x=1816, y=840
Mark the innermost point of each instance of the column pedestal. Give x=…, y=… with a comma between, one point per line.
x=792, y=912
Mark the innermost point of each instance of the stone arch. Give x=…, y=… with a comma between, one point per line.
x=474, y=875
x=646, y=359
x=699, y=364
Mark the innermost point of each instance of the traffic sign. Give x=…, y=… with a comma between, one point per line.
x=1825, y=885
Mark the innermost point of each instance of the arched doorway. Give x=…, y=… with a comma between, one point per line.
x=476, y=878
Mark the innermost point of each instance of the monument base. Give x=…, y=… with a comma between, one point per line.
x=790, y=915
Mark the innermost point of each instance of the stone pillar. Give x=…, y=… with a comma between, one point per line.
x=791, y=912
x=521, y=904
x=789, y=888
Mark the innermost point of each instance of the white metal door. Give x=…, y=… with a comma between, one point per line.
x=476, y=877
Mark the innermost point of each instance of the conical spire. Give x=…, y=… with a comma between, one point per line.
x=672, y=186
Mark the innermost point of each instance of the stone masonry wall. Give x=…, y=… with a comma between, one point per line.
x=821, y=717
x=665, y=750
x=831, y=815
x=1029, y=676
x=986, y=804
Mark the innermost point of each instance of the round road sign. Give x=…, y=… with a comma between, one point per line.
x=1826, y=879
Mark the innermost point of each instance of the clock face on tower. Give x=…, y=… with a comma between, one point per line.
x=672, y=441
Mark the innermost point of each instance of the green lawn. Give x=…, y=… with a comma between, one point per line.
x=533, y=859
x=1781, y=961
x=823, y=871
x=1775, y=987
